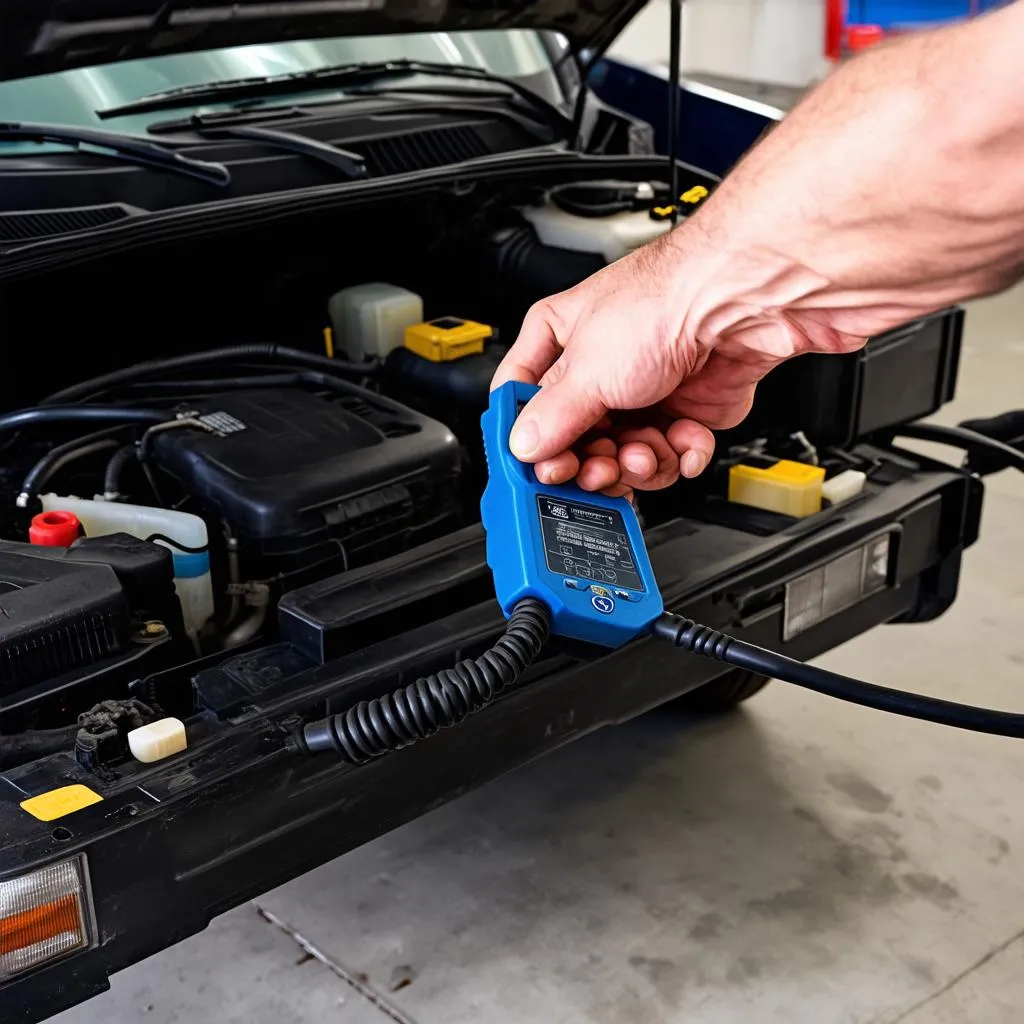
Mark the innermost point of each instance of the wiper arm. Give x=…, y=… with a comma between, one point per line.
x=332, y=76
x=350, y=164
x=126, y=147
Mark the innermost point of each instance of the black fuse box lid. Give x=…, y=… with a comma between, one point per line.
x=285, y=460
x=900, y=376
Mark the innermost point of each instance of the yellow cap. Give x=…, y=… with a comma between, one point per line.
x=447, y=338
x=789, y=488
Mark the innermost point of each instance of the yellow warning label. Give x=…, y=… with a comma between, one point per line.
x=694, y=195
x=59, y=802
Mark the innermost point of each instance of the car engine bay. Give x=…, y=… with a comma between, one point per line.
x=224, y=424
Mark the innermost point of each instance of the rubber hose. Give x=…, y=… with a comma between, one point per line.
x=960, y=437
x=57, y=458
x=189, y=386
x=77, y=413
x=434, y=702
x=115, y=468
x=233, y=353
x=691, y=636
x=212, y=385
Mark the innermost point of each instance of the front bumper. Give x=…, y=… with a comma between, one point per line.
x=173, y=846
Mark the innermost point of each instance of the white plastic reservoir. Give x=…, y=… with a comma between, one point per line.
x=183, y=534
x=613, y=236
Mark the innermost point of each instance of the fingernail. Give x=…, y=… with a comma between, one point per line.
x=525, y=438
x=640, y=465
x=694, y=463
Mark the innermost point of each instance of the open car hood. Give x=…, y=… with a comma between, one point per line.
x=55, y=35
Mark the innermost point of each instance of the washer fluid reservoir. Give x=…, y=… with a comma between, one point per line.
x=609, y=218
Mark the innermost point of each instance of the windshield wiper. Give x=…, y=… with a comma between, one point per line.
x=125, y=147
x=332, y=76
x=351, y=165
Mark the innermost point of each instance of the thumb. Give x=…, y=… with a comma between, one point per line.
x=555, y=419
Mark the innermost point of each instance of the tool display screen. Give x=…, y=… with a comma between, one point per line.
x=587, y=542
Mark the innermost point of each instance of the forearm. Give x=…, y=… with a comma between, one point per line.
x=898, y=183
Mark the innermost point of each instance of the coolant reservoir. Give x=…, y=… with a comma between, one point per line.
x=184, y=534
x=369, y=320
x=587, y=218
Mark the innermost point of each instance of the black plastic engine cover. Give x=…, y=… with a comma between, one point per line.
x=291, y=462
x=65, y=610
x=57, y=616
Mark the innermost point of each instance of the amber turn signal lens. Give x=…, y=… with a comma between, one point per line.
x=44, y=915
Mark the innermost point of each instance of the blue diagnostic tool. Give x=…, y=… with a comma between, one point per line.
x=582, y=554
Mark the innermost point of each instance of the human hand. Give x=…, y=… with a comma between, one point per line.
x=639, y=363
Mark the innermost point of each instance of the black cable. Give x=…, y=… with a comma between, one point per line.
x=59, y=457
x=78, y=413
x=960, y=437
x=233, y=353
x=115, y=468
x=691, y=636
x=177, y=545
x=434, y=702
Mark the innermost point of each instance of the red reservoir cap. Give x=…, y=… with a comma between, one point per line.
x=54, y=529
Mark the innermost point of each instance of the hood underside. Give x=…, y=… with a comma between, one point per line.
x=56, y=35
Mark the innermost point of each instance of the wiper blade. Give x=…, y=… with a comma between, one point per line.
x=127, y=147
x=332, y=76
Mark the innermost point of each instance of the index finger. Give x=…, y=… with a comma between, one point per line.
x=534, y=351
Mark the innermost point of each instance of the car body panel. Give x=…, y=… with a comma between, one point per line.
x=60, y=34
x=178, y=844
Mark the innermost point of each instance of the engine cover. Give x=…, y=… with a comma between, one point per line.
x=289, y=469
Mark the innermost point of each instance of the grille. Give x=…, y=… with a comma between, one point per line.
x=416, y=151
x=20, y=227
x=58, y=651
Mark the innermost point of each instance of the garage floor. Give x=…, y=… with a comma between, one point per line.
x=799, y=861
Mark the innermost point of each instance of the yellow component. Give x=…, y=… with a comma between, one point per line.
x=661, y=212
x=59, y=802
x=790, y=488
x=329, y=342
x=694, y=195
x=447, y=338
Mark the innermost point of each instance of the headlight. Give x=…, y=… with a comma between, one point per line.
x=44, y=915
x=836, y=586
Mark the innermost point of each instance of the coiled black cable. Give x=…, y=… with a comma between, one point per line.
x=691, y=636
x=434, y=702
x=233, y=353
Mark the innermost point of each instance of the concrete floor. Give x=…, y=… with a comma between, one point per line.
x=799, y=861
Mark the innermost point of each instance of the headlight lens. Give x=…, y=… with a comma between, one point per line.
x=43, y=916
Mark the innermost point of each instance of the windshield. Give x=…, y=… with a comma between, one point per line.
x=73, y=97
